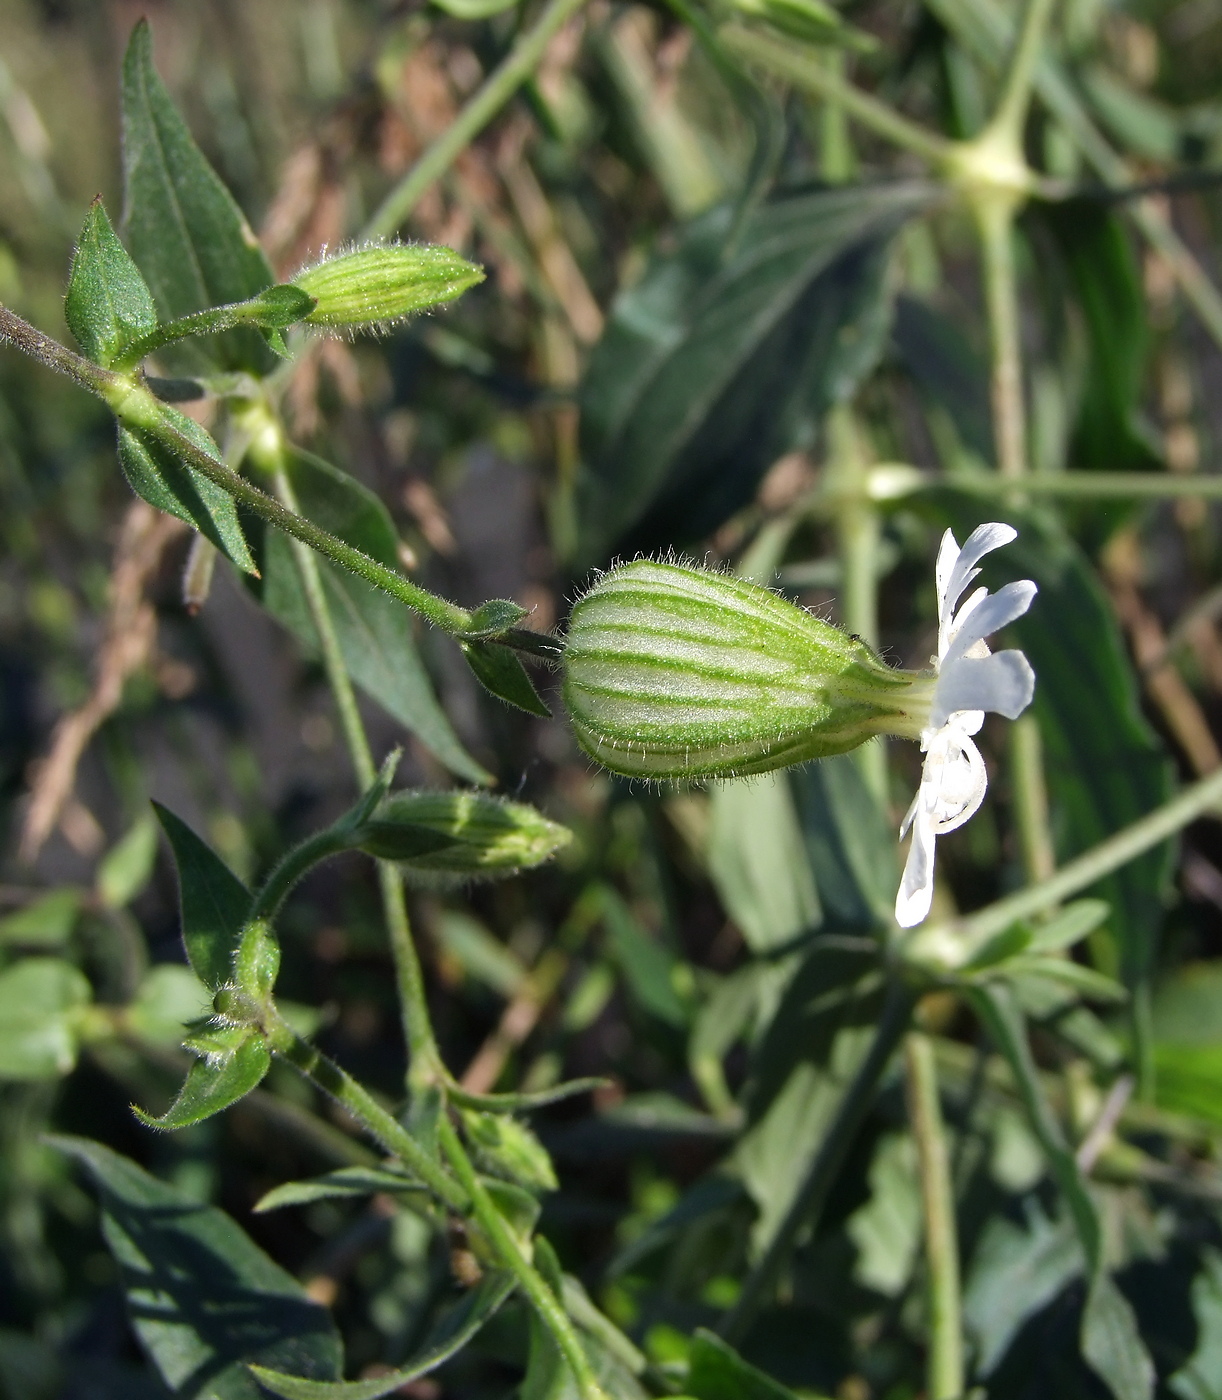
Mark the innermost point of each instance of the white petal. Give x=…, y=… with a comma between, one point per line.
x=948, y=554
x=916, y=887
x=965, y=780
x=1003, y=684
x=982, y=540
x=990, y=615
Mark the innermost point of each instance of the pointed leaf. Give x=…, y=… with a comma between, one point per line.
x=185, y=232
x=717, y=1372
x=375, y=631
x=213, y=902
x=204, y=1299
x=500, y=671
x=453, y=1333
x=341, y=1184
x=108, y=304
x=158, y=475
x=234, y=1065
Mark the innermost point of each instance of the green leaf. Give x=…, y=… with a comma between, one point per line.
x=474, y=9
x=108, y=304
x=1112, y=1344
x=46, y=923
x=1090, y=984
x=374, y=630
x=1015, y=1273
x=212, y=901
x=235, y=1059
x=38, y=999
x=757, y=862
x=648, y=968
x=480, y=954
x=170, y=998
x=187, y=235
x=724, y=355
x=509, y=1148
x=499, y=670
x=342, y=1184
x=128, y=866
x=158, y=475
x=948, y=370
x=887, y=1229
x=1068, y=926
x=453, y=1333
x=1200, y=1377
x=204, y=1299
x=850, y=846
x=717, y=1372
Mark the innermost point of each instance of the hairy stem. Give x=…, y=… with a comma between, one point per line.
x=812, y=1195
x=547, y=1306
x=500, y=85
x=995, y=222
x=31, y=341
x=945, y=1357
x=291, y=867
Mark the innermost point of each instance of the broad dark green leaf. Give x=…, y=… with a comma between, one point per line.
x=850, y=846
x=158, y=475
x=38, y=1001
x=203, y=1298
x=947, y=369
x=713, y=365
x=717, y=1372
x=1200, y=1378
x=187, y=235
x=1104, y=274
x=108, y=303
x=453, y=1333
x=648, y=968
x=375, y=631
x=233, y=1061
x=343, y=1183
x=499, y=670
x=1105, y=767
x=212, y=901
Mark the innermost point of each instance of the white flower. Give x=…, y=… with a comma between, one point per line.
x=970, y=680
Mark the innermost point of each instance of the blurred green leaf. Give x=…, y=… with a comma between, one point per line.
x=481, y=954
x=212, y=901
x=950, y=372
x=717, y=1372
x=38, y=999
x=1015, y=1272
x=342, y=1184
x=757, y=862
x=170, y=997
x=1200, y=1378
x=509, y=1148
x=500, y=671
x=234, y=1060
x=453, y=1333
x=108, y=304
x=47, y=922
x=723, y=357
x=1139, y=122
x=887, y=1229
x=648, y=968
x=851, y=848
x=159, y=476
x=374, y=629
x=203, y=1298
x=187, y=235
x=128, y=866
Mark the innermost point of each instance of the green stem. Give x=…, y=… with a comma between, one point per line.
x=945, y=1360
x=31, y=341
x=381, y=1125
x=292, y=866
x=545, y=1303
x=424, y=1057
x=1071, y=485
x=808, y=1203
x=995, y=221
x=955, y=943
x=1031, y=799
x=1011, y=114
x=209, y=322
x=804, y=68
x=498, y=88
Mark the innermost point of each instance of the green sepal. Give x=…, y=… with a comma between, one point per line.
x=492, y=618
x=501, y=673
x=452, y=1334
x=509, y=1148
x=213, y=902
x=108, y=304
x=282, y=306
x=234, y=1061
x=165, y=480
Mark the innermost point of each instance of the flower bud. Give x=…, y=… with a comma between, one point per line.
x=384, y=282
x=464, y=834
x=676, y=672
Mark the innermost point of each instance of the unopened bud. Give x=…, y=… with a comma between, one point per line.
x=384, y=282
x=677, y=672
x=465, y=834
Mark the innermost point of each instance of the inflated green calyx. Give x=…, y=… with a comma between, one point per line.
x=677, y=672
x=384, y=282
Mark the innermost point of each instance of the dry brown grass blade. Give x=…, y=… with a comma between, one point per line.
x=131, y=629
